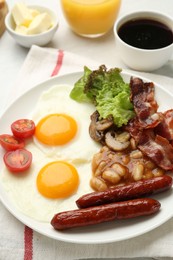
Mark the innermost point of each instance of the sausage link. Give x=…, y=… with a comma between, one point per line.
x=99, y=214
x=133, y=190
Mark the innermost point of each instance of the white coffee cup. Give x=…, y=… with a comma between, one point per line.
x=143, y=59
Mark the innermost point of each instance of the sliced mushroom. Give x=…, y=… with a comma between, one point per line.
x=104, y=124
x=111, y=139
x=123, y=137
x=97, y=127
x=96, y=135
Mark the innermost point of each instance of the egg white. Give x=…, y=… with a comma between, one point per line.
x=57, y=100
x=22, y=189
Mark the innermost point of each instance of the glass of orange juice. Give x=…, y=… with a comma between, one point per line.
x=90, y=18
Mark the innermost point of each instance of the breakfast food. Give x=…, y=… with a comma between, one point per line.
x=88, y=16
x=136, y=137
x=3, y=12
x=149, y=127
x=143, y=28
x=45, y=196
x=69, y=113
x=99, y=214
x=57, y=179
x=16, y=158
x=30, y=21
x=10, y=142
x=65, y=144
x=23, y=128
x=18, y=161
x=120, y=160
x=111, y=167
x=56, y=129
x=133, y=190
x=107, y=90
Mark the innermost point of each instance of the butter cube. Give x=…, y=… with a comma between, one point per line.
x=21, y=14
x=40, y=23
x=34, y=12
x=21, y=29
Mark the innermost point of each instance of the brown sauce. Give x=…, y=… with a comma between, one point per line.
x=146, y=34
x=121, y=168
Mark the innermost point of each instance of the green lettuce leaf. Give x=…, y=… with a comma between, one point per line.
x=77, y=92
x=108, y=91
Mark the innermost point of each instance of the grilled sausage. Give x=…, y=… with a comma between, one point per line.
x=98, y=214
x=131, y=191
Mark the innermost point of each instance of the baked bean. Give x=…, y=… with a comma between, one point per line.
x=125, y=159
x=119, y=169
x=112, y=168
x=98, y=184
x=136, y=154
x=100, y=168
x=133, y=144
x=111, y=176
x=138, y=171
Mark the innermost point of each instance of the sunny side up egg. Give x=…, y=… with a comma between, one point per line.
x=81, y=147
x=42, y=192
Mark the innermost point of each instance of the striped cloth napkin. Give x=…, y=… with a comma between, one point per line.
x=18, y=241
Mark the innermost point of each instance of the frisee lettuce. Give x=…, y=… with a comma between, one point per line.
x=108, y=91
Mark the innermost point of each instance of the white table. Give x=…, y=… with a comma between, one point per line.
x=102, y=50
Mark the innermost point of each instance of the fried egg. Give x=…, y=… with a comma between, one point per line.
x=62, y=151
x=56, y=100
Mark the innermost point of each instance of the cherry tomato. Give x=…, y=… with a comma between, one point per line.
x=23, y=128
x=18, y=160
x=10, y=142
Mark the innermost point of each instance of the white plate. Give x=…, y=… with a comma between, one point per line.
x=102, y=233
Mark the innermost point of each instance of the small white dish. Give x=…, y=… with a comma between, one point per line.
x=36, y=39
x=143, y=59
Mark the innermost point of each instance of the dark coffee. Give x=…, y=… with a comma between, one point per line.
x=146, y=34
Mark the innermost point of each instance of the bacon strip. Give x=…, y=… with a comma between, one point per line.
x=134, y=128
x=145, y=106
x=152, y=130
x=156, y=148
x=165, y=128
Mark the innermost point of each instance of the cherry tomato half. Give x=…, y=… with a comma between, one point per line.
x=23, y=128
x=18, y=160
x=10, y=142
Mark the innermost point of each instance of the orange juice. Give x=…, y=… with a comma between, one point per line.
x=90, y=17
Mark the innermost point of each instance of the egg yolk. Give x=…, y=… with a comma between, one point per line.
x=56, y=129
x=57, y=180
